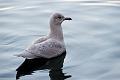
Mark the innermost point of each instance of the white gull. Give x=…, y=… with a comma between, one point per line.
x=51, y=45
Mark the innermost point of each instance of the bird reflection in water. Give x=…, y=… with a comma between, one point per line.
x=54, y=65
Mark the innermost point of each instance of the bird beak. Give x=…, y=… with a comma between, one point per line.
x=67, y=18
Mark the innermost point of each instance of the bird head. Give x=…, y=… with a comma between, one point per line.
x=58, y=18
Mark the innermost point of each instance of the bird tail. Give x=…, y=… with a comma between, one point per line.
x=25, y=54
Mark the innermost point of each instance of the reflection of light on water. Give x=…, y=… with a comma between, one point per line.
x=99, y=4
x=81, y=2
x=96, y=2
x=17, y=8
x=6, y=8
x=113, y=1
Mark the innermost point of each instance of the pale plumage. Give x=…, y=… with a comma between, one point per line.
x=51, y=45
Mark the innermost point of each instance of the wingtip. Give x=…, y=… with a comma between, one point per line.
x=19, y=55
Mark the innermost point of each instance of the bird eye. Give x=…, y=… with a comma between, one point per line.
x=59, y=17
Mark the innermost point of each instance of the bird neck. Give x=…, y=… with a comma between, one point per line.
x=56, y=31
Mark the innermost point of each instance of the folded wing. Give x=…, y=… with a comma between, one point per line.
x=47, y=49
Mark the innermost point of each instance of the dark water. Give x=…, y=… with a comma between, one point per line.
x=92, y=37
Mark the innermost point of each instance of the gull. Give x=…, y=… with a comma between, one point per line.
x=51, y=45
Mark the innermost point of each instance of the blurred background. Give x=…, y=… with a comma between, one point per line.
x=92, y=38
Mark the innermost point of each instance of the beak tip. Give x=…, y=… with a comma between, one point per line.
x=70, y=18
